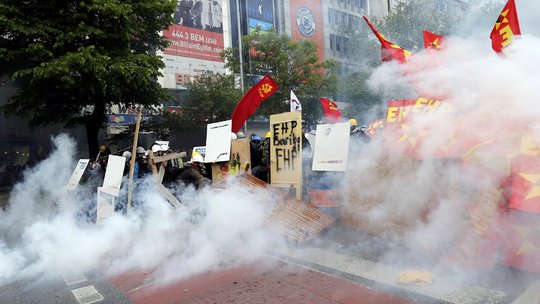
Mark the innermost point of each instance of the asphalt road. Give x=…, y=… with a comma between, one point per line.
x=275, y=282
x=76, y=289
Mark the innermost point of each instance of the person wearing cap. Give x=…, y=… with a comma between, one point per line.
x=127, y=156
x=353, y=126
x=141, y=163
x=192, y=172
x=359, y=136
x=103, y=156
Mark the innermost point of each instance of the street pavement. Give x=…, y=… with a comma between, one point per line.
x=312, y=273
x=80, y=289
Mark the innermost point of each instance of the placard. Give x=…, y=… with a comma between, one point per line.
x=218, y=141
x=331, y=147
x=105, y=205
x=77, y=174
x=113, y=175
x=239, y=163
x=286, y=150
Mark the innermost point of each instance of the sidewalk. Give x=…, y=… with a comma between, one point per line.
x=384, y=277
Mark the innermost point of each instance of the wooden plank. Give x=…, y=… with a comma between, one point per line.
x=169, y=156
x=132, y=163
x=288, y=216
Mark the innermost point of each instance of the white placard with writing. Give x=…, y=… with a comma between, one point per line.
x=77, y=174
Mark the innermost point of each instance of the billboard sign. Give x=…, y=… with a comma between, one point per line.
x=197, y=31
x=260, y=14
x=307, y=22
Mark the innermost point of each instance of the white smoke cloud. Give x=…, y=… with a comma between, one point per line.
x=44, y=232
x=427, y=203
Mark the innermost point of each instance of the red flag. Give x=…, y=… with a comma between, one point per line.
x=331, y=112
x=505, y=28
x=525, y=194
x=521, y=245
x=390, y=51
x=251, y=101
x=433, y=41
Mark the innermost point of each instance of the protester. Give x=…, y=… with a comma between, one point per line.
x=127, y=156
x=255, y=150
x=141, y=163
x=358, y=135
x=264, y=174
x=192, y=172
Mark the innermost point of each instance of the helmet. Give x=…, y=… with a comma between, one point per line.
x=156, y=148
x=140, y=150
x=240, y=135
x=353, y=122
x=233, y=136
x=268, y=134
x=102, y=148
x=255, y=137
x=197, y=157
x=126, y=154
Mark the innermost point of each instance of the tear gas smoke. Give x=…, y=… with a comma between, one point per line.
x=425, y=200
x=46, y=229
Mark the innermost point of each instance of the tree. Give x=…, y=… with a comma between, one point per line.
x=354, y=90
x=211, y=98
x=404, y=25
x=71, y=60
x=293, y=65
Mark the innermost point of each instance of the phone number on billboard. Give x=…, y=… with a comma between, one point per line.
x=193, y=37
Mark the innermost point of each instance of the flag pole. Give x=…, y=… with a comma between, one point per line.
x=240, y=53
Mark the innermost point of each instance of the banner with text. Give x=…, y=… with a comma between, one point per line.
x=198, y=30
x=286, y=150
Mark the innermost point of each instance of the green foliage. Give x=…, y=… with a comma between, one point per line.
x=163, y=125
x=211, y=98
x=405, y=25
x=353, y=89
x=72, y=60
x=293, y=65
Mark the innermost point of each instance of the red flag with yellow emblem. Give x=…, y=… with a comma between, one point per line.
x=521, y=244
x=251, y=101
x=525, y=193
x=390, y=51
x=506, y=27
x=433, y=41
x=330, y=110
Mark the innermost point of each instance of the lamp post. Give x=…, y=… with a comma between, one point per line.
x=240, y=53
